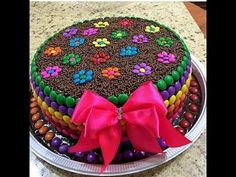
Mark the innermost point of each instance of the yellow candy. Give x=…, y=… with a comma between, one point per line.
x=184, y=88
x=39, y=100
x=73, y=127
x=44, y=105
x=51, y=110
x=34, y=94
x=166, y=103
x=188, y=82
x=171, y=108
x=58, y=115
x=172, y=99
x=66, y=118
x=179, y=94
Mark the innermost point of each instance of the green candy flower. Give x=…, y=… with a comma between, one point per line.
x=118, y=34
x=71, y=59
x=164, y=42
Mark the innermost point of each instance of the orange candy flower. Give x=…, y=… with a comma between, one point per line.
x=111, y=72
x=53, y=51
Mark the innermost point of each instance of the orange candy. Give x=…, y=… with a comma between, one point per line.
x=171, y=108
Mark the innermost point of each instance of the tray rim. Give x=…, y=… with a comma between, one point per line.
x=132, y=167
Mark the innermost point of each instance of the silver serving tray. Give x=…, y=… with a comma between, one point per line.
x=42, y=152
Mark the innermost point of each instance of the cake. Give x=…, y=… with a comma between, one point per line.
x=112, y=57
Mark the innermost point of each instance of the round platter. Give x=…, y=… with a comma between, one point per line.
x=42, y=152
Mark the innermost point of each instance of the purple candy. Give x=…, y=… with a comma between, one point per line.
x=34, y=84
x=162, y=143
x=91, y=157
x=80, y=154
x=128, y=155
x=185, y=74
x=188, y=68
x=47, y=100
x=171, y=90
x=70, y=111
x=182, y=80
x=41, y=95
x=165, y=95
x=118, y=158
x=177, y=86
x=63, y=148
x=63, y=109
x=139, y=154
x=37, y=90
x=56, y=142
x=54, y=105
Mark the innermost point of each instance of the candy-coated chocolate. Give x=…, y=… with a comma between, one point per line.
x=194, y=97
x=188, y=116
x=184, y=123
x=172, y=99
x=43, y=130
x=38, y=124
x=33, y=104
x=193, y=107
x=34, y=110
x=49, y=135
x=35, y=117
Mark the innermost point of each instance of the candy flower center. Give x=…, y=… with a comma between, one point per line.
x=82, y=77
x=53, y=51
x=164, y=42
x=165, y=57
x=140, y=39
x=119, y=34
x=101, y=42
x=72, y=59
x=51, y=71
x=110, y=72
x=142, y=70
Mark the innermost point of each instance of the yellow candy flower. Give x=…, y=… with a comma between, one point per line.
x=101, y=24
x=152, y=29
x=101, y=42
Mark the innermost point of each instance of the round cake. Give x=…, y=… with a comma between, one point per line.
x=112, y=57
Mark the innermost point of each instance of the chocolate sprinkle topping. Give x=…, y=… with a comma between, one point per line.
x=128, y=81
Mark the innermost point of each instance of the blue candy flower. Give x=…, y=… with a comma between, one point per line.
x=128, y=51
x=76, y=41
x=82, y=77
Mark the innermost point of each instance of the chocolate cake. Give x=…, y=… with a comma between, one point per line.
x=111, y=57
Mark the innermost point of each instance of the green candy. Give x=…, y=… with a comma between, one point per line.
x=41, y=85
x=186, y=53
x=185, y=59
x=61, y=99
x=169, y=80
x=161, y=84
x=47, y=90
x=70, y=101
x=175, y=75
x=35, y=75
x=183, y=64
x=33, y=69
x=53, y=95
x=180, y=70
x=38, y=80
x=113, y=99
x=122, y=98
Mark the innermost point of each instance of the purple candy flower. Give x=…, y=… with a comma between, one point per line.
x=90, y=31
x=165, y=58
x=139, y=39
x=70, y=32
x=142, y=69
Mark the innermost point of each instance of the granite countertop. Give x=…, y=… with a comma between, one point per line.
x=46, y=18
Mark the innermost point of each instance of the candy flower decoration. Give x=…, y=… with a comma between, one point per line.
x=101, y=24
x=82, y=77
x=142, y=69
x=140, y=39
x=51, y=71
x=90, y=31
x=70, y=32
x=118, y=34
x=111, y=72
x=76, y=42
x=101, y=42
x=100, y=57
x=71, y=59
x=164, y=42
x=51, y=51
x=152, y=29
x=128, y=51
x=164, y=57
x=125, y=23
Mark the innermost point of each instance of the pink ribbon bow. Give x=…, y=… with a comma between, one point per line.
x=144, y=113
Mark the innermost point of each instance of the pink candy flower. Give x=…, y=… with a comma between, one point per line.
x=51, y=71
x=165, y=58
x=90, y=31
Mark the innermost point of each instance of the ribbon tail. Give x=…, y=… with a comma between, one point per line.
x=84, y=144
x=109, y=140
x=142, y=140
x=170, y=135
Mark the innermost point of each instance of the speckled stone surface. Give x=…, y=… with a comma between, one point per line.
x=46, y=18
